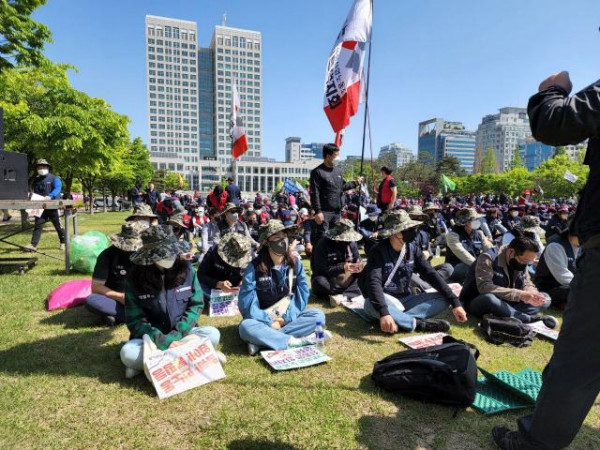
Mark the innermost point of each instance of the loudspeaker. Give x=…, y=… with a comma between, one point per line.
x=13, y=176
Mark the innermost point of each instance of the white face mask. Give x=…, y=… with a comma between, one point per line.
x=233, y=217
x=475, y=224
x=514, y=213
x=166, y=263
x=42, y=172
x=144, y=223
x=373, y=218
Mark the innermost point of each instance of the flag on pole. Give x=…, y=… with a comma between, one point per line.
x=570, y=177
x=345, y=68
x=447, y=184
x=181, y=181
x=239, y=144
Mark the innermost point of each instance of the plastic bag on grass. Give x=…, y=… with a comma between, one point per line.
x=85, y=250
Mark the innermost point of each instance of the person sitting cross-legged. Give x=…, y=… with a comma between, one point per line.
x=499, y=284
x=274, y=295
x=385, y=282
x=107, y=299
x=336, y=264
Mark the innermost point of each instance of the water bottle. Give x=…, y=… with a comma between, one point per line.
x=319, y=335
x=438, y=251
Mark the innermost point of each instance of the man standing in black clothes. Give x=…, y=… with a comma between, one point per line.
x=152, y=197
x=572, y=377
x=326, y=189
x=235, y=195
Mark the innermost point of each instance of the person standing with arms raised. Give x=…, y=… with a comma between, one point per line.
x=572, y=377
x=327, y=186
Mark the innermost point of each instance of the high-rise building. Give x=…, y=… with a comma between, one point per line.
x=237, y=59
x=439, y=138
x=533, y=153
x=296, y=151
x=402, y=152
x=502, y=132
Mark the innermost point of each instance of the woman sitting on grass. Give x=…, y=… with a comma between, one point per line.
x=274, y=294
x=163, y=298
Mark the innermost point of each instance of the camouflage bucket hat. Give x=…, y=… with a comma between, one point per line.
x=158, y=242
x=532, y=223
x=416, y=211
x=235, y=250
x=465, y=216
x=397, y=221
x=272, y=227
x=431, y=206
x=177, y=220
x=343, y=231
x=128, y=239
x=141, y=211
x=42, y=162
x=230, y=207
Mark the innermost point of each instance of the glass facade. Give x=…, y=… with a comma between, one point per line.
x=206, y=99
x=534, y=153
x=461, y=147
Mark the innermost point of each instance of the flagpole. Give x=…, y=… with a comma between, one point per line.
x=362, y=156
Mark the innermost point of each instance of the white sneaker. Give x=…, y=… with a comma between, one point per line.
x=62, y=247
x=221, y=357
x=311, y=339
x=30, y=248
x=336, y=300
x=253, y=349
x=130, y=373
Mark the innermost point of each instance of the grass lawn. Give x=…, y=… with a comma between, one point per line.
x=62, y=384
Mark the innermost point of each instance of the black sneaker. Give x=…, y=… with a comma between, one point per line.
x=549, y=321
x=432, y=325
x=111, y=321
x=506, y=439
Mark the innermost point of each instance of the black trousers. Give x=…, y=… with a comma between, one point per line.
x=559, y=295
x=444, y=270
x=572, y=377
x=323, y=287
x=331, y=218
x=48, y=215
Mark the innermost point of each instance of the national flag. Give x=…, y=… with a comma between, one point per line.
x=570, y=177
x=447, y=184
x=345, y=68
x=239, y=144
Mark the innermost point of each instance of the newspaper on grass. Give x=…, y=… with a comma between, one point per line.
x=423, y=340
x=223, y=304
x=456, y=288
x=359, y=302
x=543, y=330
x=173, y=371
x=294, y=358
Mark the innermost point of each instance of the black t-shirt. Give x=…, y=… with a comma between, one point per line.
x=113, y=266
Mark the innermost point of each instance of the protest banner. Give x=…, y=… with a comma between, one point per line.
x=543, y=330
x=424, y=340
x=294, y=358
x=223, y=304
x=178, y=369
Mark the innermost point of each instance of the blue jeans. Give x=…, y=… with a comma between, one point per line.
x=103, y=306
x=132, y=353
x=262, y=335
x=420, y=306
x=460, y=273
x=490, y=304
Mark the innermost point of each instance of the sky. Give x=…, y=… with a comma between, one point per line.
x=455, y=59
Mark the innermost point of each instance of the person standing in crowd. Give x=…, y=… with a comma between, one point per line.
x=163, y=298
x=152, y=196
x=48, y=186
x=465, y=242
x=499, y=284
x=556, y=267
x=336, y=264
x=137, y=195
x=234, y=195
x=326, y=189
x=217, y=198
x=370, y=227
x=558, y=223
x=385, y=282
x=387, y=191
x=107, y=299
x=274, y=295
x=571, y=380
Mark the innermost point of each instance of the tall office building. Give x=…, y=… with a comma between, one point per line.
x=296, y=151
x=402, y=152
x=172, y=102
x=503, y=132
x=237, y=59
x=439, y=138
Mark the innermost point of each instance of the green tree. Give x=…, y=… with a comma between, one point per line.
x=560, y=151
x=488, y=163
x=137, y=157
x=389, y=160
x=158, y=178
x=449, y=166
x=517, y=162
x=550, y=176
x=22, y=39
x=174, y=181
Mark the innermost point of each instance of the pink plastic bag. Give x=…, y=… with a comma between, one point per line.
x=69, y=294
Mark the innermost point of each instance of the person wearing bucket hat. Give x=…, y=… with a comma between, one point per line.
x=274, y=295
x=336, y=264
x=385, y=282
x=559, y=222
x=491, y=225
x=143, y=215
x=209, y=233
x=465, y=242
x=107, y=299
x=370, y=227
x=230, y=222
x=513, y=218
x=180, y=222
x=163, y=298
x=224, y=264
x=556, y=267
x=48, y=186
x=434, y=223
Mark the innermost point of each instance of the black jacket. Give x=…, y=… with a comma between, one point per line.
x=557, y=119
x=213, y=269
x=327, y=187
x=329, y=257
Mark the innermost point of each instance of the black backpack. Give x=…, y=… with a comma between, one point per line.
x=445, y=374
x=500, y=331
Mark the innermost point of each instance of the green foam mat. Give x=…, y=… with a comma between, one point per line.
x=492, y=399
x=526, y=383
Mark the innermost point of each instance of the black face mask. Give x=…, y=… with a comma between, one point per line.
x=409, y=235
x=279, y=247
x=513, y=264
